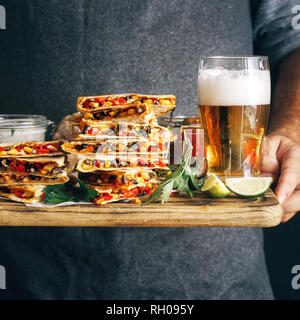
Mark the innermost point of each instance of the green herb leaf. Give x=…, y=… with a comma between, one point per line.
x=57, y=194
x=86, y=193
x=183, y=179
x=167, y=192
x=68, y=192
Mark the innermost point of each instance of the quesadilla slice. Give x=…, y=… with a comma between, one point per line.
x=121, y=179
x=41, y=166
x=26, y=194
x=162, y=104
x=107, y=130
x=118, y=146
x=110, y=163
x=106, y=195
x=17, y=179
x=75, y=127
x=142, y=113
x=31, y=149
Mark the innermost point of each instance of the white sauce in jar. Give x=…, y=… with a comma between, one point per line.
x=21, y=128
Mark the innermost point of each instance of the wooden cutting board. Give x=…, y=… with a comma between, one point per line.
x=180, y=211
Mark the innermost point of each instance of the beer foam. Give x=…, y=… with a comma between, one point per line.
x=220, y=87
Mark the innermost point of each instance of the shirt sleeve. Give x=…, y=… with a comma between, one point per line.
x=276, y=28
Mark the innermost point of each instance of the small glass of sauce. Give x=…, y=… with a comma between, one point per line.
x=22, y=127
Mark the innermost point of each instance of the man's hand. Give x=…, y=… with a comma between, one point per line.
x=280, y=159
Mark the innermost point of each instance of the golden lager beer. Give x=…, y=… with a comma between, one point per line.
x=234, y=107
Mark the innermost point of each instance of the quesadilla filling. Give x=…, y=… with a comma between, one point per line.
x=110, y=146
x=11, y=165
x=125, y=130
x=30, y=179
x=24, y=193
x=124, y=112
x=31, y=149
x=128, y=179
x=113, y=130
x=119, y=162
x=122, y=194
x=92, y=103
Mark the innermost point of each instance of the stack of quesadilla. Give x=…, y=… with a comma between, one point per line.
x=117, y=139
x=26, y=168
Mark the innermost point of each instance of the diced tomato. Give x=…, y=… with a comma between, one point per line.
x=119, y=100
x=106, y=197
x=86, y=104
x=131, y=193
x=148, y=190
x=101, y=101
x=154, y=99
x=151, y=165
x=122, y=100
x=162, y=164
x=116, y=182
x=18, y=193
x=90, y=149
x=97, y=163
x=93, y=131
x=2, y=149
x=19, y=148
x=20, y=168
x=43, y=150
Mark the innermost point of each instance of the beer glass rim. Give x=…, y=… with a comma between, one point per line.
x=234, y=57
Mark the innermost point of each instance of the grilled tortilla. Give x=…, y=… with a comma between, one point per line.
x=115, y=147
x=108, y=195
x=111, y=163
x=17, y=179
x=40, y=166
x=77, y=128
x=31, y=149
x=107, y=130
x=26, y=194
x=142, y=113
x=120, y=179
x=162, y=104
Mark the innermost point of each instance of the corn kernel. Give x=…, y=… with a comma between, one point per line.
x=164, y=102
x=88, y=115
x=13, y=151
x=28, y=150
x=131, y=112
x=94, y=104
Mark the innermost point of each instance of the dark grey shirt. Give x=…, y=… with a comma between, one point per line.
x=54, y=51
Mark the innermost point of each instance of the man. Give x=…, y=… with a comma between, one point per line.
x=52, y=52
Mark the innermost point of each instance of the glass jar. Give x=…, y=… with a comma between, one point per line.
x=22, y=127
x=174, y=124
x=194, y=132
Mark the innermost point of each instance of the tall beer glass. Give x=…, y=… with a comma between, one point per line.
x=234, y=103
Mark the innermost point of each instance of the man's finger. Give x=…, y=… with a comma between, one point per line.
x=269, y=165
x=287, y=217
x=292, y=204
x=289, y=174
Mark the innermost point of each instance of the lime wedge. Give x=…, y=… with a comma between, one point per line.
x=214, y=187
x=249, y=187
